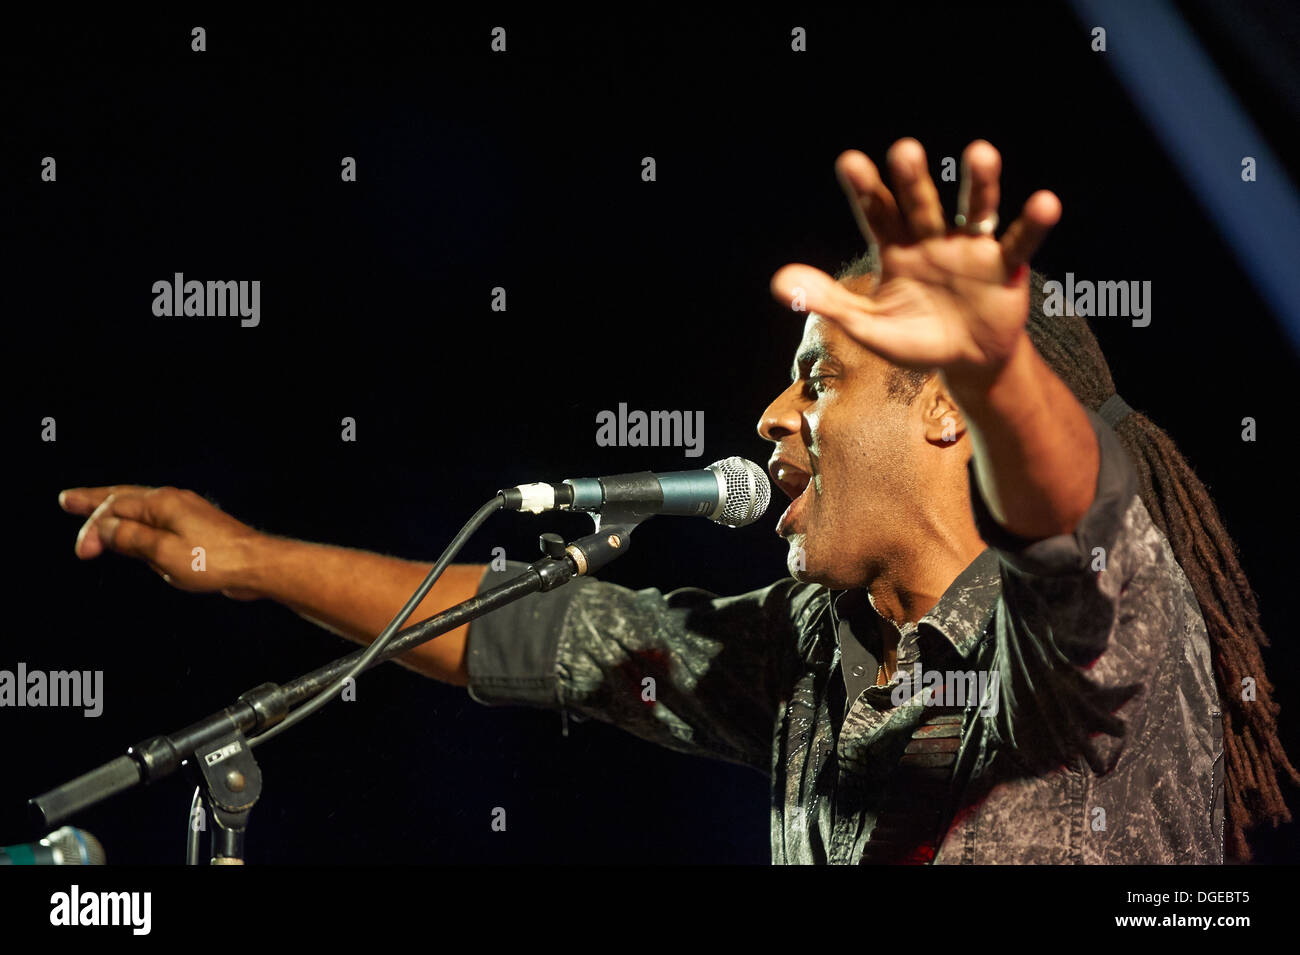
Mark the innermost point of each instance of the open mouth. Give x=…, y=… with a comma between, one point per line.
x=789, y=478
x=794, y=483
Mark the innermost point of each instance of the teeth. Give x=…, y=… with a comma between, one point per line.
x=794, y=481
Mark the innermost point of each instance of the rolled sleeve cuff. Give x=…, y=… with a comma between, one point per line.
x=512, y=650
x=1099, y=527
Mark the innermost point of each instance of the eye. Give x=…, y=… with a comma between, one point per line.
x=815, y=383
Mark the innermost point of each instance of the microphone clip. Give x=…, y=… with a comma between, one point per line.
x=612, y=539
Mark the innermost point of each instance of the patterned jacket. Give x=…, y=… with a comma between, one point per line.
x=1057, y=705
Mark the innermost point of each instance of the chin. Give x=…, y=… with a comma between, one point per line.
x=801, y=565
x=810, y=576
x=810, y=568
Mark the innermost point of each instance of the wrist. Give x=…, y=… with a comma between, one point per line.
x=258, y=557
x=976, y=386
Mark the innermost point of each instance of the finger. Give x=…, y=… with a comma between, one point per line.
x=806, y=289
x=155, y=506
x=917, y=197
x=872, y=203
x=83, y=500
x=1041, y=212
x=88, y=543
x=134, y=539
x=820, y=293
x=159, y=506
x=869, y=320
x=981, y=170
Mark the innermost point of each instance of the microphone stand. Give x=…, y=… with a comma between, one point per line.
x=219, y=747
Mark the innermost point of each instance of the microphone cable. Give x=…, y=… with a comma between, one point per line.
x=386, y=636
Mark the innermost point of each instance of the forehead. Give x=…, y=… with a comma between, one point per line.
x=824, y=340
x=819, y=340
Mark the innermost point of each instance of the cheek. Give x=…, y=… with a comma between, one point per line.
x=855, y=468
x=814, y=420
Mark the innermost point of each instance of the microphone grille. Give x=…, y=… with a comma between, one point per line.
x=748, y=491
x=77, y=846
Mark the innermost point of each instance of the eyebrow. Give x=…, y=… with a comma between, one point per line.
x=810, y=355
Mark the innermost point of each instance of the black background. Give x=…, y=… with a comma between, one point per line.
x=523, y=170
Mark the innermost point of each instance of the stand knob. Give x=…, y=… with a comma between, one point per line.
x=552, y=545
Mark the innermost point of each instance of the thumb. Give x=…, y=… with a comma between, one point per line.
x=806, y=289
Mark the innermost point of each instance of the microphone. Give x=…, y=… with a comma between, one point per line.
x=66, y=846
x=733, y=492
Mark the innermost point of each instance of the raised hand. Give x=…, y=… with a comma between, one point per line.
x=946, y=297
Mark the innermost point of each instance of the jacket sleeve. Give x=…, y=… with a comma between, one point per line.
x=1099, y=636
x=689, y=670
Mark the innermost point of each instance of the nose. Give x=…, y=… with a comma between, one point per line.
x=781, y=417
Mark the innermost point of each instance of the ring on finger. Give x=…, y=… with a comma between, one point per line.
x=985, y=226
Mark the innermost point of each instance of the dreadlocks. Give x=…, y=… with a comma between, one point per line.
x=1183, y=510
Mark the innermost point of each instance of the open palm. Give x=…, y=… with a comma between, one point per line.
x=943, y=298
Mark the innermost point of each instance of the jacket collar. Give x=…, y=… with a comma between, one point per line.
x=960, y=615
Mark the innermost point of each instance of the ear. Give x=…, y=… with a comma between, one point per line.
x=941, y=419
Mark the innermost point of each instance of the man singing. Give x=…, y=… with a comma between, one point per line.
x=974, y=510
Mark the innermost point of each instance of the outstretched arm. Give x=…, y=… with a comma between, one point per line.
x=351, y=592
